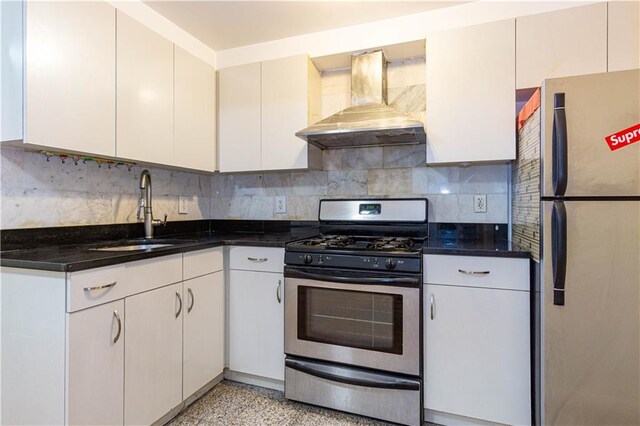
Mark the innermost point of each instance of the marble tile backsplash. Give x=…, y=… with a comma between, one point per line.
x=37, y=193
x=360, y=173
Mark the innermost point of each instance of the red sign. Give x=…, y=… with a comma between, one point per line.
x=624, y=137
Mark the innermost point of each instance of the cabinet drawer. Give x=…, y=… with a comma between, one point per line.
x=202, y=262
x=477, y=271
x=148, y=274
x=95, y=286
x=268, y=259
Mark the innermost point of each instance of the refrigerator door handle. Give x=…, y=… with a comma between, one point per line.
x=559, y=251
x=559, y=146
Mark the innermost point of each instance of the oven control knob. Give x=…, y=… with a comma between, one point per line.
x=307, y=259
x=390, y=264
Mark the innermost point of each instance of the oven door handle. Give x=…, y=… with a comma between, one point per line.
x=352, y=377
x=352, y=279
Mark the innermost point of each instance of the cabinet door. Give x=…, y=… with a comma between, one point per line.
x=194, y=113
x=11, y=64
x=70, y=76
x=95, y=365
x=560, y=44
x=145, y=93
x=285, y=107
x=203, y=331
x=471, y=94
x=624, y=35
x=239, y=118
x=153, y=356
x=256, y=323
x=476, y=353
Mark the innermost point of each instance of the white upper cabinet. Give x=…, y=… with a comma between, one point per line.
x=624, y=35
x=471, y=94
x=560, y=44
x=11, y=65
x=144, y=93
x=81, y=77
x=194, y=112
x=239, y=136
x=291, y=100
x=70, y=76
x=261, y=107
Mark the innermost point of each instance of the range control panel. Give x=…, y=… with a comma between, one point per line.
x=388, y=263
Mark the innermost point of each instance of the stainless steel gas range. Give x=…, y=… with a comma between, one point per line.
x=353, y=313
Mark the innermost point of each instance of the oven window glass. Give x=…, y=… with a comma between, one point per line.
x=356, y=319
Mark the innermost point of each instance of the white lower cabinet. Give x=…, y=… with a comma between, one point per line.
x=477, y=342
x=95, y=365
x=203, y=331
x=256, y=323
x=153, y=356
x=121, y=344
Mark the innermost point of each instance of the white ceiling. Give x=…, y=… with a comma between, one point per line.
x=227, y=24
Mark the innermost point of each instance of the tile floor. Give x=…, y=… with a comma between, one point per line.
x=233, y=403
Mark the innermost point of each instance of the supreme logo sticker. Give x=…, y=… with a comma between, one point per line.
x=624, y=137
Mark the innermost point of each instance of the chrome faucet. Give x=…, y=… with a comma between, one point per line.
x=144, y=207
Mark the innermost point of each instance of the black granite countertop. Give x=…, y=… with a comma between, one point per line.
x=78, y=257
x=499, y=248
x=468, y=239
x=41, y=248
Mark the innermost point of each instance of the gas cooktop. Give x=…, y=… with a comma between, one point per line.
x=384, y=234
x=400, y=254
x=358, y=243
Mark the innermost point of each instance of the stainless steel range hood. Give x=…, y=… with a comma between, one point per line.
x=369, y=121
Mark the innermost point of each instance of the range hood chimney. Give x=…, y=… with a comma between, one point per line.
x=369, y=121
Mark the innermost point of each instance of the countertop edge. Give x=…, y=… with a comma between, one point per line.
x=517, y=254
x=115, y=259
x=119, y=258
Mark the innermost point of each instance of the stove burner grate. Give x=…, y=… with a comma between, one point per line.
x=392, y=243
x=330, y=241
x=360, y=243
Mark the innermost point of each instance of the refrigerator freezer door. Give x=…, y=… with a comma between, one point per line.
x=591, y=344
x=596, y=106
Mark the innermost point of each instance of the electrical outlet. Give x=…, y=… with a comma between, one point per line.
x=480, y=203
x=183, y=207
x=281, y=204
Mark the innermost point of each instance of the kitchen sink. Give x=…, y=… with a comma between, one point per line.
x=133, y=247
x=140, y=244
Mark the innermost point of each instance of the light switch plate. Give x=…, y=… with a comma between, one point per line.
x=480, y=203
x=281, y=204
x=183, y=207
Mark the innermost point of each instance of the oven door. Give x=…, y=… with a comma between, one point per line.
x=357, y=318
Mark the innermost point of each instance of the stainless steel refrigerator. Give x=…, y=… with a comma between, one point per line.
x=590, y=251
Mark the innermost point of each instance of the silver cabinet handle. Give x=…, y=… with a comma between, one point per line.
x=117, y=317
x=432, y=306
x=278, y=291
x=463, y=271
x=258, y=259
x=100, y=287
x=180, y=308
x=193, y=300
